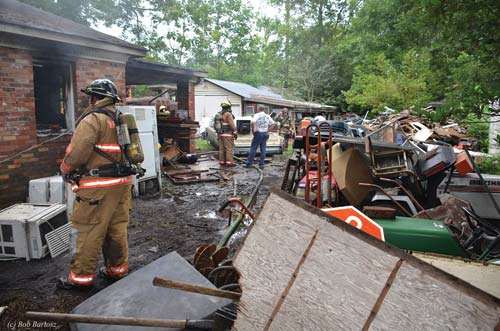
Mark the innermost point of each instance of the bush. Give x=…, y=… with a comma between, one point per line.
x=489, y=165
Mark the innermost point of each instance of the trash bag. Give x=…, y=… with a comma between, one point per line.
x=188, y=159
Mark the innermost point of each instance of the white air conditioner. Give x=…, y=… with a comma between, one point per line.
x=49, y=190
x=29, y=230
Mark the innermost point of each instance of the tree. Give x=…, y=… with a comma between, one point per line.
x=383, y=83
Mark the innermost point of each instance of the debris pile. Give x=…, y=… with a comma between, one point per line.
x=395, y=128
x=403, y=168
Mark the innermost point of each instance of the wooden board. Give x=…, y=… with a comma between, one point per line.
x=332, y=292
x=481, y=275
x=418, y=301
x=343, y=279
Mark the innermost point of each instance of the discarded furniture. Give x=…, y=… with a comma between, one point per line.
x=388, y=163
x=435, y=161
x=350, y=168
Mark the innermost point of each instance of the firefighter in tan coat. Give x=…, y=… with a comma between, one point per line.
x=227, y=136
x=103, y=193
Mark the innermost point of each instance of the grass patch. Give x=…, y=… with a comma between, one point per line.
x=203, y=145
x=287, y=152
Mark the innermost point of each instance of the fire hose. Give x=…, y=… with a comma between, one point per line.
x=249, y=202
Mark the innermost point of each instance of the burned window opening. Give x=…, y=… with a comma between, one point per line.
x=53, y=93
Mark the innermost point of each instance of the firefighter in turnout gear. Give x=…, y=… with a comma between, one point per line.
x=285, y=126
x=103, y=195
x=227, y=135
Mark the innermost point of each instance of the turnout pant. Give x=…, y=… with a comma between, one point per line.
x=100, y=216
x=226, y=149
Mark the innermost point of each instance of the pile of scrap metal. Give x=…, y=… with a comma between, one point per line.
x=398, y=185
x=396, y=128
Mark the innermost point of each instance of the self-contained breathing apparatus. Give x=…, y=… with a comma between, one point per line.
x=130, y=145
x=218, y=122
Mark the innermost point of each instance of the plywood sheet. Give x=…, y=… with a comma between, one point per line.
x=483, y=276
x=418, y=301
x=301, y=269
x=276, y=246
x=333, y=287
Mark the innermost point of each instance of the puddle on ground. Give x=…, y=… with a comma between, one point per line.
x=210, y=214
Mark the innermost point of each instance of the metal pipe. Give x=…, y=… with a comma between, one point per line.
x=118, y=320
x=329, y=153
x=408, y=193
x=248, y=203
x=319, y=172
x=238, y=201
x=193, y=288
x=159, y=95
x=389, y=196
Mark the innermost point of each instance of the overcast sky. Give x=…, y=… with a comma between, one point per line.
x=260, y=6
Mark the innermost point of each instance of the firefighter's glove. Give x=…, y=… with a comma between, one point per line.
x=72, y=177
x=67, y=177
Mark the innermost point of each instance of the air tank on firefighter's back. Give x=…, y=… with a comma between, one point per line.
x=133, y=150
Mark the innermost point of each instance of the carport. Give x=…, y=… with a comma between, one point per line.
x=145, y=72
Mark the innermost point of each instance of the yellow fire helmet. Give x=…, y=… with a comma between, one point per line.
x=226, y=104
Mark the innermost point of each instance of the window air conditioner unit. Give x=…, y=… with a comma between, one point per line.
x=29, y=230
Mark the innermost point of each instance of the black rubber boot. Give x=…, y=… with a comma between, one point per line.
x=103, y=274
x=64, y=283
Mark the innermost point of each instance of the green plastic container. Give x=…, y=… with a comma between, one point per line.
x=420, y=235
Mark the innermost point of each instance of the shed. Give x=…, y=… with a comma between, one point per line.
x=246, y=99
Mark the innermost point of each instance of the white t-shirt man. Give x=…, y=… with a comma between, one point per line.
x=262, y=122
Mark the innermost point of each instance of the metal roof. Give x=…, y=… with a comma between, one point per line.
x=265, y=95
x=22, y=19
x=244, y=90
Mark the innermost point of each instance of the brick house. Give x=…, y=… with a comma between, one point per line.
x=44, y=62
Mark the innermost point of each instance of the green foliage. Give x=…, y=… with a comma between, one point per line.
x=489, y=165
x=441, y=115
x=469, y=91
x=357, y=54
x=399, y=86
x=478, y=127
x=139, y=91
x=203, y=145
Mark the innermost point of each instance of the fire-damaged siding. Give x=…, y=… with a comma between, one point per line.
x=18, y=120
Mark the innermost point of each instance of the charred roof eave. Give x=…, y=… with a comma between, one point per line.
x=144, y=72
x=131, y=50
